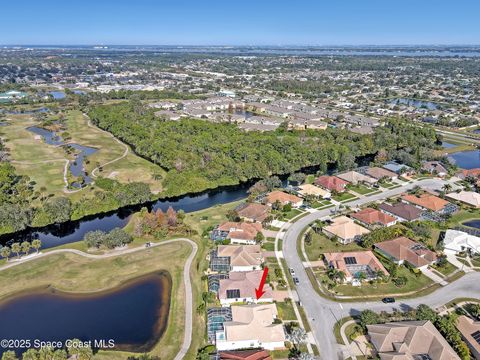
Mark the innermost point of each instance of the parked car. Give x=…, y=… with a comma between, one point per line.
x=296, y=281
x=292, y=272
x=388, y=300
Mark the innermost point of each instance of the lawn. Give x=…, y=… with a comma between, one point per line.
x=446, y=269
x=414, y=283
x=322, y=244
x=321, y=204
x=285, y=311
x=344, y=196
x=291, y=214
x=74, y=273
x=361, y=189
x=389, y=185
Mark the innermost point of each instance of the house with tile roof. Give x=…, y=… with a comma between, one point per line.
x=406, y=340
x=469, y=198
x=470, y=332
x=371, y=217
x=455, y=241
x=240, y=287
x=403, y=249
x=428, y=201
x=380, y=173
x=435, y=167
x=331, y=183
x=253, y=212
x=243, y=233
x=312, y=190
x=240, y=257
x=354, y=178
x=283, y=198
x=353, y=263
x=245, y=355
x=252, y=326
x=402, y=211
x=345, y=230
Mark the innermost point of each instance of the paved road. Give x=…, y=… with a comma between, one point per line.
x=187, y=339
x=323, y=313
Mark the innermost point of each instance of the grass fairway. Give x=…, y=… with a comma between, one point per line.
x=74, y=273
x=127, y=169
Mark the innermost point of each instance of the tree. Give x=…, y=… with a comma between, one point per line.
x=297, y=337
x=94, y=238
x=16, y=248
x=45, y=353
x=58, y=209
x=259, y=237
x=60, y=354
x=5, y=252
x=447, y=188
x=424, y=312
x=26, y=246
x=308, y=238
x=9, y=355
x=30, y=354
x=79, y=351
x=368, y=317
x=37, y=244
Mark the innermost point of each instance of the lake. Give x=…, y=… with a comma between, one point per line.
x=413, y=102
x=57, y=95
x=472, y=223
x=134, y=315
x=447, y=145
x=466, y=159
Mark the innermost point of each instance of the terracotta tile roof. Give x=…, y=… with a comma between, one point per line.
x=372, y=216
x=337, y=260
x=403, y=340
x=468, y=172
x=404, y=211
x=356, y=177
x=284, y=198
x=345, y=228
x=254, y=211
x=245, y=355
x=403, y=248
x=309, y=189
x=331, y=183
x=426, y=201
x=245, y=282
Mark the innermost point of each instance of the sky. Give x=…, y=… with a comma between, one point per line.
x=234, y=22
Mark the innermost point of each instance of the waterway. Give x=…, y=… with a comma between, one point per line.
x=466, y=159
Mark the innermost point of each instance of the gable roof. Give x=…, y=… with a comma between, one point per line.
x=245, y=282
x=331, y=182
x=373, y=216
x=404, y=211
x=426, y=201
x=403, y=248
x=405, y=339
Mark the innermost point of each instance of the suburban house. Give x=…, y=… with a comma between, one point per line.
x=236, y=258
x=355, y=178
x=397, y=168
x=370, y=217
x=253, y=212
x=312, y=190
x=470, y=198
x=435, y=167
x=429, y=202
x=402, y=211
x=470, y=331
x=352, y=264
x=238, y=232
x=240, y=287
x=345, y=229
x=245, y=355
x=380, y=173
x=456, y=241
x=464, y=173
x=410, y=340
x=403, y=249
x=252, y=326
x=331, y=183
x=283, y=199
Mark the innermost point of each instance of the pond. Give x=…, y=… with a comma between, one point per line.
x=77, y=166
x=134, y=315
x=23, y=111
x=466, y=159
x=447, y=145
x=472, y=223
x=413, y=102
x=57, y=95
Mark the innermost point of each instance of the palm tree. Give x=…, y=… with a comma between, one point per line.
x=5, y=252
x=341, y=276
x=361, y=276
x=37, y=244
x=16, y=248
x=447, y=188
x=26, y=246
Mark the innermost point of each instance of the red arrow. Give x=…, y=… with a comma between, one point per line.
x=259, y=292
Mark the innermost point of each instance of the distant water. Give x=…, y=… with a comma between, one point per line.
x=419, y=104
x=57, y=95
x=466, y=159
x=447, y=145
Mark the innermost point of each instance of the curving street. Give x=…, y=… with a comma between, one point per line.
x=323, y=313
